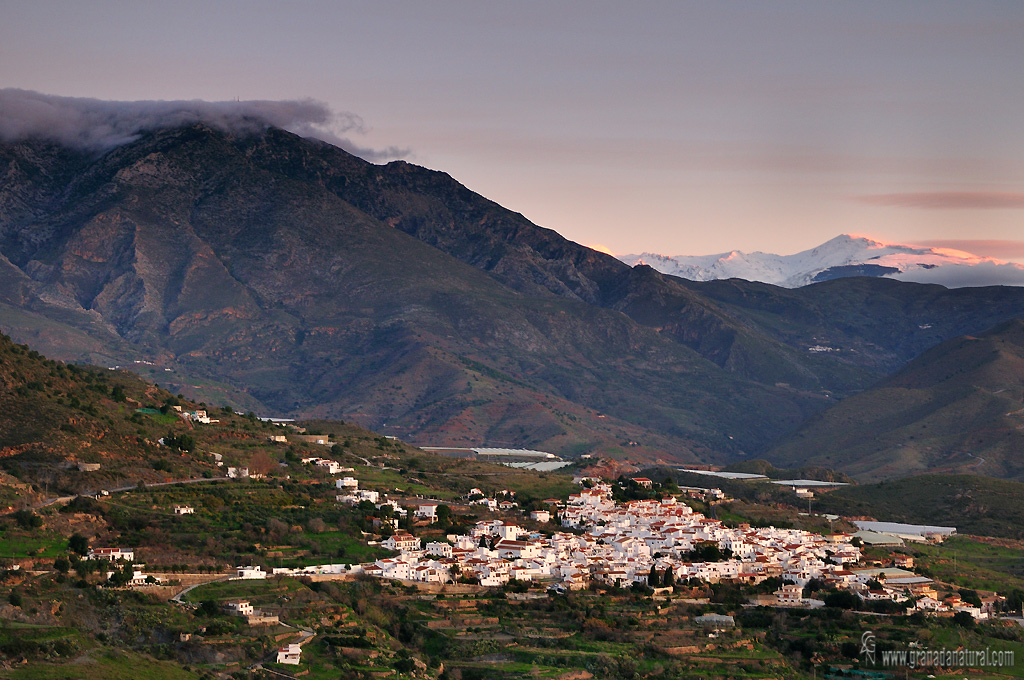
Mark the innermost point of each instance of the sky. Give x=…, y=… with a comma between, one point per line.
x=670, y=127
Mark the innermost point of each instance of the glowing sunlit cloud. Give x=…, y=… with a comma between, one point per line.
x=1001, y=249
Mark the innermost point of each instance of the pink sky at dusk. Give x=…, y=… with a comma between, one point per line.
x=672, y=127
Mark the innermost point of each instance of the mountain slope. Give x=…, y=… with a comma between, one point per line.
x=439, y=211
x=958, y=407
x=198, y=252
x=840, y=257
x=871, y=326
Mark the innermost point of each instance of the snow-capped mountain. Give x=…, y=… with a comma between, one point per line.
x=843, y=256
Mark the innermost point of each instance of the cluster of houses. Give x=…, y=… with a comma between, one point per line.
x=622, y=543
x=503, y=500
x=138, y=578
x=353, y=495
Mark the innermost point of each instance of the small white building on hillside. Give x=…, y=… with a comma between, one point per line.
x=291, y=654
x=250, y=573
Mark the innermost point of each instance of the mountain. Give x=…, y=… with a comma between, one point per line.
x=222, y=264
x=959, y=407
x=843, y=256
x=284, y=275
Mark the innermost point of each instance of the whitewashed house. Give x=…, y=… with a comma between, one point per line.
x=291, y=654
x=250, y=573
x=401, y=542
x=112, y=554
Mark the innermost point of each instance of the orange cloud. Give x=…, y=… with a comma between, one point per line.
x=947, y=200
x=1001, y=249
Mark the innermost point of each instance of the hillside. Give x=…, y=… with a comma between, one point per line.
x=972, y=503
x=958, y=407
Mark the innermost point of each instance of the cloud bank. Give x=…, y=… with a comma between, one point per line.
x=967, y=276
x=97, y=125
x=948, y=200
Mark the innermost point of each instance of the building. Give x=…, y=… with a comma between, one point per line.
x=903, y=561
x=112, y=554
x=540, y=516
x=184, y=510
x=88, y=467
x=401, y=541
x=239, y=608
x=790, y=595
x=321, y=439
x=250, y=573
x=427, y=511
x=715, y=621
x=291, y=654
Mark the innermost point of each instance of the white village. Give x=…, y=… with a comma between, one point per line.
x=620, y=544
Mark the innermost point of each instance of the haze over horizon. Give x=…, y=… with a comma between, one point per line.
x=677, y=129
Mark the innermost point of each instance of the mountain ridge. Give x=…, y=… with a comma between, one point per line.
x=840, y=257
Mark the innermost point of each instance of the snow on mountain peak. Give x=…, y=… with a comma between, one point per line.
x=845, y=255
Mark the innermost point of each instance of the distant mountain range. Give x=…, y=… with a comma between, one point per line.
x=286, y=276
x=843, y=256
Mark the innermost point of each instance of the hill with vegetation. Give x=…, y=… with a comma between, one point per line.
x=974, y=504
x=958, y=407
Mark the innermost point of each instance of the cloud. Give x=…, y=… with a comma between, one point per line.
x=947, y=200
x=1001, y=249
x=97, y=125
x=966, y=276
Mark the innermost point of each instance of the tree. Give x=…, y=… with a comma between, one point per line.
x=182, y=442
x=260, y=463
x=28, y=519
x=78, y=543
x=669, y=578
x=843, y=599
x=122, y=576
x=62, y=565
x=963, y=619
x=117, y=394
x=970, y=597
x=444, y=515
x=652, y=578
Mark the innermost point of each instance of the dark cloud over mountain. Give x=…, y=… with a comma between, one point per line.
x=98, y=125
